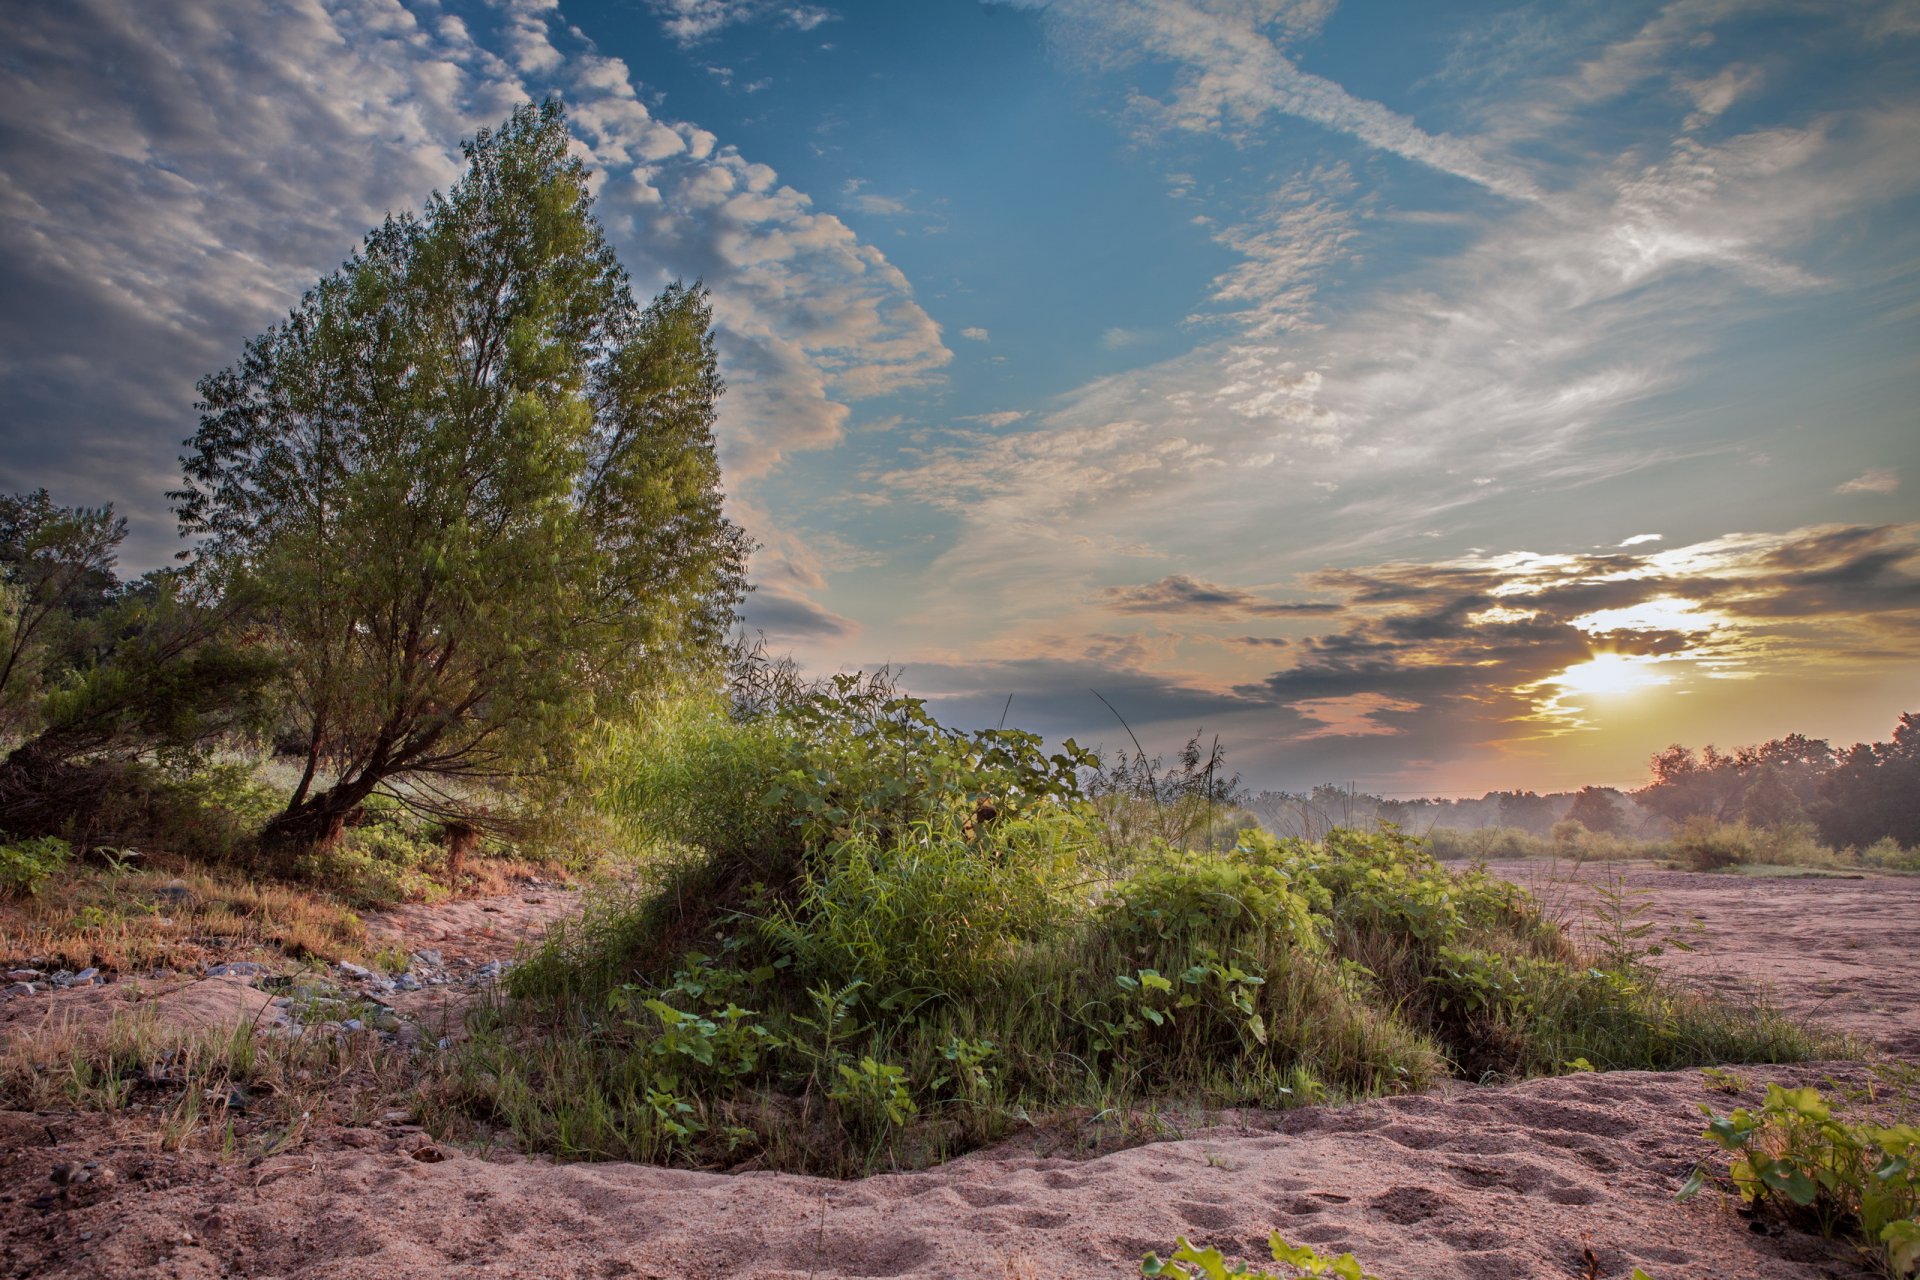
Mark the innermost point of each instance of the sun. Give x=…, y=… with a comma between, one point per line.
x=1611, y=673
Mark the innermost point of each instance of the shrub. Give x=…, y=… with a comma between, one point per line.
x=870, y=940
x=27, y=864
x=1794, y=1156
x=1706, y=845
x=374, y=866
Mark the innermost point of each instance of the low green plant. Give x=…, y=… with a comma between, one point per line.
x=1792, y=1154
x=374, y=866
x=1194, y=1262
x=26, y=865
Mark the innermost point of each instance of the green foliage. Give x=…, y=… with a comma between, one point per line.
x=1706, y=845
x=468, y=489
x=866, y=940
x=1192, y=1262
x=374, y=866
x=1794, y=1155
x=26, y=864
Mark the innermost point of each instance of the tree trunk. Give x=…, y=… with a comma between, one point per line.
x=320, y=820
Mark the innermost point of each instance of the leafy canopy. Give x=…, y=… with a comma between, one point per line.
x=468, y=487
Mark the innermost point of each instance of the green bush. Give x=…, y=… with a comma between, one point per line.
x=375, y=865
x=27, y=864
x=867, y=940
x=1706, y=845
x=1796, y=1157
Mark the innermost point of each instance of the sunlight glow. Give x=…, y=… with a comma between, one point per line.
x=1610, y=673
x=1667, y=613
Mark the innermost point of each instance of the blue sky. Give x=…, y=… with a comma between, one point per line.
x=1429, y=397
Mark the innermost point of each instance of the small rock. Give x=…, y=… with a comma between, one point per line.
x=24, y=975
x=429, y=1155
x=173, y=893
x=353, y=1024
x=19, y=989
x=397, y=1117
x=354, y=970
x=406, y=982
x=427, y=959
x=238, y=969
x=445, y=1042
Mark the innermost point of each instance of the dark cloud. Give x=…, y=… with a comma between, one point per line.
x=785, y=617
x=1181, y=594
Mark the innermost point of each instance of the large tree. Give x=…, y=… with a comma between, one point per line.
x=468, y=488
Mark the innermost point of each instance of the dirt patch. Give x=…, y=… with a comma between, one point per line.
x=477, y=929
x=1512, y=1183
x=1841, y=952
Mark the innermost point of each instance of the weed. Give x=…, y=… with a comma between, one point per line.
x=1794, y=1155
x=1192, y=1262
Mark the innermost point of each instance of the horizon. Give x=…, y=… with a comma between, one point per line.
x=1482, y=408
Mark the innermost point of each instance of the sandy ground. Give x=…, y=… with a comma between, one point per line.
x=1841, y=951
x=1552, y=1178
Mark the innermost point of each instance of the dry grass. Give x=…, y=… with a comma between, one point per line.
x=153, y=918
x=246, y=1095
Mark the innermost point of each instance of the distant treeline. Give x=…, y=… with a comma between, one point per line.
x=1851, y=796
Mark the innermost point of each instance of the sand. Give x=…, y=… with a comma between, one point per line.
x=1570, y=1177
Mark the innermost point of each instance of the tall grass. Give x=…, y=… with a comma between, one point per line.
x=872, y=941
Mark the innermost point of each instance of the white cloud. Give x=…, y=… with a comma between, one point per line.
x=692, y=21
x=1004, y=418
x=1233, y=74
x=974, y=333
x=1639, y=539
x=1877, y=480
x=138, y=219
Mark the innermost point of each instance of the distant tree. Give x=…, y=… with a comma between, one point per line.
x=468, y=490
x=1769, y=801
x=1873, y=792
x=1525, y=810
x=1713, y=784
x=1595, y=809
x=56, y=567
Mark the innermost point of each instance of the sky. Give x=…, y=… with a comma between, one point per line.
x=1426, y=398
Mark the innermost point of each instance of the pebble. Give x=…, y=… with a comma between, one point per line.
x=19, y=989
x=407, y=982
x=354, y=970
x=353, y=1024
x=24, y=975
x=427, y=960
x=238, y=969
x=84, y=978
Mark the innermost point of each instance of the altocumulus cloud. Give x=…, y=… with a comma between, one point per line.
x=175, y=173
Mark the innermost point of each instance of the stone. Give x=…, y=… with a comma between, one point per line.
x=238, y=969
x=427, y=959
x=19, y=989
x=354, y=970
x=353, y=1024
x=24, y=975
x=406, y=982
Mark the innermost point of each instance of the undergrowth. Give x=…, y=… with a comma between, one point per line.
x=876, y=942
x=1795, y=1157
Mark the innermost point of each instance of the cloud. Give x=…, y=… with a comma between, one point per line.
x=1232, y=73
x=1004, y=418
x=139, y=222
x=872, y=203
x=1877, y=480
x=1481, y=649
x=1181, y=594
x=692, y=21
x=1640, y=539
x=790, y=617
x=974, y=333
